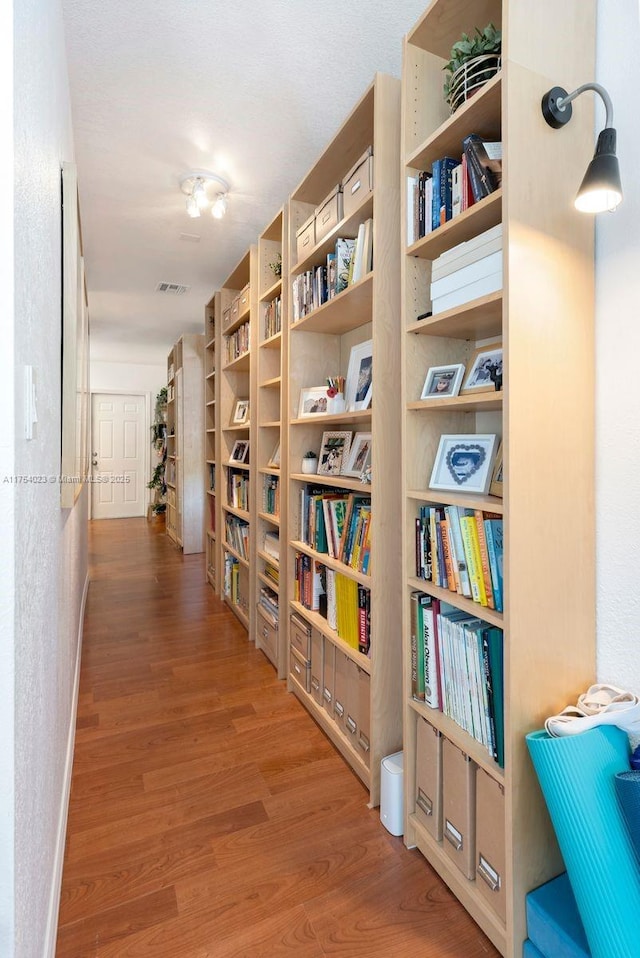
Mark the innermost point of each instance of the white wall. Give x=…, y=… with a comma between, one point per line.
x=48, y=545
x=618, y=355
x=137, y=377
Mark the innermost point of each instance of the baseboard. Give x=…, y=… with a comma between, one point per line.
x=56, y=884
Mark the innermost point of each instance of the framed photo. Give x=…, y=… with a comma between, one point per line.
x=313, y=401
x=496, y=476
x=359, y=455
x=240, y=415
x=333, y=452
x=360, y=377
x=240, y=451
x=274, y=458
x=485, y=370
x=442, y=381
x=464, y=463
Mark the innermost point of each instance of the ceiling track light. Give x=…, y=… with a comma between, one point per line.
x=194, y=184
x=601, y=188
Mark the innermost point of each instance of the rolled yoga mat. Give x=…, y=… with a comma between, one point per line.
x=576, y=774
x=628, y=791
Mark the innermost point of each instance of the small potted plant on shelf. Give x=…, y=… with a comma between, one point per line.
x=310, y=462
x=473, y=61
x=276, y=266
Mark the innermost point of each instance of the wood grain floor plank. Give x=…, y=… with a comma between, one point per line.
x=210, y=817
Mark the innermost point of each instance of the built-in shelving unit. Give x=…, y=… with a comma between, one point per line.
x=544, y=414
x=355, y=697
x=212, y=320
x=185, y=443
x=236, y=424
x=271, y=442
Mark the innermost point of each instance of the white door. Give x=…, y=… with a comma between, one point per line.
x=118, y=456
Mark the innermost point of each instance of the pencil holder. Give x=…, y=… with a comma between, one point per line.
x=335, y=404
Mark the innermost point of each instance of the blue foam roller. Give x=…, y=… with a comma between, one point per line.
x=553, y=923
x=576, y=774
x=628, y=791
x=529, y=950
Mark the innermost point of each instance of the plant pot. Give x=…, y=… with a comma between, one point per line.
x=309, y=466
x=472, y=75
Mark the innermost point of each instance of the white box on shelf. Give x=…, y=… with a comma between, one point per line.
x=482, y=268
x=482, y=287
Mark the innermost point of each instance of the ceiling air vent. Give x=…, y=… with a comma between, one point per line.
x=174, y=288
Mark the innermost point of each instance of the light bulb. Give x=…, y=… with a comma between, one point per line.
x=192, y=207
x=199, y=193
x=219, y=208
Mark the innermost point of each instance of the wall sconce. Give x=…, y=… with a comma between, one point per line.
x=601, y=188
x=194, y=184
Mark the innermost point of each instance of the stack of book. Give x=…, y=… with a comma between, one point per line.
x=467, y=271
x=268, y=603
x=237, y=531
x=336, y=524
x=457, y=668
x=348, y=263
x=238, y=489
x=272, y=545
x=343, y=602
x=273, y=318
x=271, y=495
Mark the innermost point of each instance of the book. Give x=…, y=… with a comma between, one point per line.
x=412, y=198
x=481, y=287
x=441, y=200
x=484, y=558
x=357, y=270
x=481, y=268
x=485, y=173
x=494, y=535
x=453, y=514
x=444, y=267
x=427, y=626
x=367, y=257
x=344, y=249
x=468, y=246
x=493, y=640
x=472, y=554
x=456, y=191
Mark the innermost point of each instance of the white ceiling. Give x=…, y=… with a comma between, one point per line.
x=251, y=91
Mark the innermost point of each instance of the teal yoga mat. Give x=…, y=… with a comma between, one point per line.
x=576, y=774
x=628, y=792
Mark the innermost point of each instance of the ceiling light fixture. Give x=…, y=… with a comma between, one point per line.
x=194, y=185
x=601, y=188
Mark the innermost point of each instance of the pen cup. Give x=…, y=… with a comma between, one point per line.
x=335, y=404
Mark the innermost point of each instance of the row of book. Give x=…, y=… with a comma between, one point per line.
x=462, y=550
x=271, y=545
x=457, y=668
x=452, y=185
x=272, y=572
x=467, y=271
x=273, y=317
x=268, y=602
x=238, y=489
x=237, y=343
x=237, y=533
x=337, y=524
x=232, y=583
x=348, y=263
x=271, y=495
x=343, y=602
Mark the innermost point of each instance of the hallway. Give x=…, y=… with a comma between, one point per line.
x=209, y=815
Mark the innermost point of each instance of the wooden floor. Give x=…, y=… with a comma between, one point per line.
x=210, y=817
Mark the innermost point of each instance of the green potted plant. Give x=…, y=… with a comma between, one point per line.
x=276, y=266
x=473, y=61
x=310, y=462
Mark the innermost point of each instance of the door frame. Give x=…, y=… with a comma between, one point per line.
x=147, y=396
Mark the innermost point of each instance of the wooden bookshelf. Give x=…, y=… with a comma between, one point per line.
x=185, y=444
x=212, y=320
x=238, y=310
x=543, y=315
x=319, y=346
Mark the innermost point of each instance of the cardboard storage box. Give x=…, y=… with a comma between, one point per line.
x=352, y=719
x=340, y=698
x=306, y=238
x=490, y=842
x=244, y=301
x=268, y=636
x=328, y=676
x=358, y=182
x=299, y=670
x=429, y=777
x=300, y=637
x=226, y=317
x=329, y=213
x=459, y=807
x=364, y=714
x=316, y=665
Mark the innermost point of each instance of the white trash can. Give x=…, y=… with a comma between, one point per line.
x=392, y=793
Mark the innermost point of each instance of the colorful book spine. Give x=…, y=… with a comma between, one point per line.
x=494, y=536
x=484, y=558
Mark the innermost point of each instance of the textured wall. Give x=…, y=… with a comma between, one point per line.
x=138, y=377
x=50, y=545
x=618, y=352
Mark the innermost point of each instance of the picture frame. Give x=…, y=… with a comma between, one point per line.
x=334, y=450
x=240, y=415
x=485, y=363
x=464, y=463
x=359, y=387
x=359, y=455
x=313, y=402
x=240, y=452
x=443, y=381
x=274, y=459
x=496, y=485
